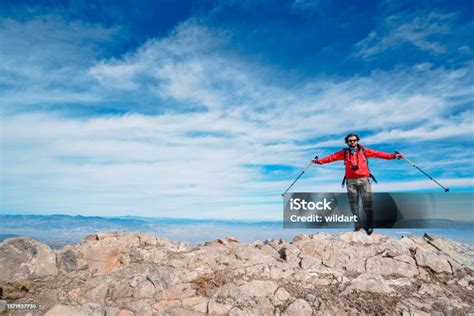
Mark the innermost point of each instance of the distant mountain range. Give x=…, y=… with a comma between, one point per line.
x=58, y=230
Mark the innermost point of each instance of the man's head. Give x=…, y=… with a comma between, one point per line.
x=352, y=140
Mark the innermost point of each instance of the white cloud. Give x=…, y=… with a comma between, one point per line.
x=417, y=30
x=45, y=60
x=208, y=162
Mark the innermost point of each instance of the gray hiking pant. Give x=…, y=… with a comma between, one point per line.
x=357, y=188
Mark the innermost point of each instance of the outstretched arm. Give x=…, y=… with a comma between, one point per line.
x=334, y=157
x=381, y=154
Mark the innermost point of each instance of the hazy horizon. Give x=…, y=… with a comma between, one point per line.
x=60, y=230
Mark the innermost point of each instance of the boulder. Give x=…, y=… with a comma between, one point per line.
x=300, y=308
x=22, y=258
x=281, y=296
x=461, y=253
x=434, y=262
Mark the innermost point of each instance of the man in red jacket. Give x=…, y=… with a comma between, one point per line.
x=358, y=175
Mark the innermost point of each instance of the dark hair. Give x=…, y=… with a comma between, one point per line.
x=350, y=135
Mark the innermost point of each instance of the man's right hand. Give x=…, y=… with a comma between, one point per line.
x=316, y=161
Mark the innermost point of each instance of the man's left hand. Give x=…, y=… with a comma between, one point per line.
x=398, y=156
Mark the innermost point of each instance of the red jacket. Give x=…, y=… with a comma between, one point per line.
x=356, y=159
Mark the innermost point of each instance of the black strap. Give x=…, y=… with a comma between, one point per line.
x=373, y=178
x=366, y=161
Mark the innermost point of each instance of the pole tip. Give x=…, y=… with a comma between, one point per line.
x=446, y=190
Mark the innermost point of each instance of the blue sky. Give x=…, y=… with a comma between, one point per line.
x=210, y=109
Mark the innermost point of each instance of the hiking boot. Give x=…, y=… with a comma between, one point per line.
x=357, y=226
x=369, y=231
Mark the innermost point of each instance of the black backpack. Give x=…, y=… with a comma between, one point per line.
x=367, y=161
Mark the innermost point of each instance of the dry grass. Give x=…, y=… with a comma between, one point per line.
x=206, y=283
x=14, y=290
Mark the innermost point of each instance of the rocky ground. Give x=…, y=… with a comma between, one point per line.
x=139, y=274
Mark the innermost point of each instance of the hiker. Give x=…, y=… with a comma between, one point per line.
x=358, y=176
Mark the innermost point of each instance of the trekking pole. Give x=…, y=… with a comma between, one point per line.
x=411, y=163
x=309, y=165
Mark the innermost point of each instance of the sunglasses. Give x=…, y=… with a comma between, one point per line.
x=352, y=141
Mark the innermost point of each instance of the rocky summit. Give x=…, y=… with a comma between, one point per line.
x=140, y=274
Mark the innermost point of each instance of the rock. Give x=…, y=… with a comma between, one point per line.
x=215, y=308
x=67, y=260
x=428, y=259
x=230, y=239
x=142, y=288
x=359, y=236
x=262, y=306
x=408, y=243
x=233, y=293
x=369, y=283
x=308, y=262
x=301, y=238
x=112, y=251
x=94, y=290
x=22, y=258
x=178, y=291
x=197, y=303
x=60, y=310
x=163, y=305
x=3, y=305
x=271, y=251
x=105, y=253
x=111, y=311
x=140, y=307
x=300, y=308
x=281, y=296
x=333, y=274
x=466, y=282
x=171, y=245
x=401, y=282
x=430, y=289
x=179, y=311
x=281, y=271
x=236, y=311
x=119, y=289
x=290, y=254
x=256, y=243
x=259, y=288
x=389, y=266
x=461, y=254
x=84, y=310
